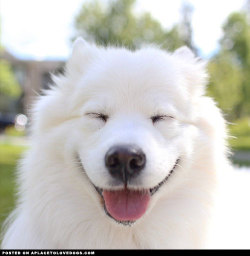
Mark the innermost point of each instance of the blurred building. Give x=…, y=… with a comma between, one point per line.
x=33, y=76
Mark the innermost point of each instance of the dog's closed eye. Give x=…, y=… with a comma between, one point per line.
x=100, y=116
x=158, y=118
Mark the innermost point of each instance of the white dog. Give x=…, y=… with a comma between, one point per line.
x=126, y=152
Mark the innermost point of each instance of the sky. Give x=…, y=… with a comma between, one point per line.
x=42, y=29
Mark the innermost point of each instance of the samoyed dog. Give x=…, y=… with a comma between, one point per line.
x=128, y=152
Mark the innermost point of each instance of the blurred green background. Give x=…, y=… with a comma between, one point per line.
x=229, y=70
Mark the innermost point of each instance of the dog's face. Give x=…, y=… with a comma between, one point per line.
x=131, y=117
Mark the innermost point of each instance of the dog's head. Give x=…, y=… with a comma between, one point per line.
x=129, y=120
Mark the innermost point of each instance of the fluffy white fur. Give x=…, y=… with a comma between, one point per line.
x=58, y=205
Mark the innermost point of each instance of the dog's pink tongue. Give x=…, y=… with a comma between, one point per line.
x=126, y=205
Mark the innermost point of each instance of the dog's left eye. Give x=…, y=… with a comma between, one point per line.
x=100, y=116
x=158, y=118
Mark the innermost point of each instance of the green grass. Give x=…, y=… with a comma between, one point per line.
x=11, y=131
x=9, y=155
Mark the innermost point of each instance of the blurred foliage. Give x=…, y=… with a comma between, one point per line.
x=237, y=37
x=118, y=25
x=240, y=134
x=9, y=87
x=186, y=30
x=229, y=69
x=10, y=90
x=8, y=84
x=225, y=84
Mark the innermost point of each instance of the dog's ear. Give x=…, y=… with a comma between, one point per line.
x=185, y=53
x=194, y=70
x=81, y=55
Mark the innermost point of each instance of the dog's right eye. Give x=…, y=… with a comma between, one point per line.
x=158, y=118
x=100, y=116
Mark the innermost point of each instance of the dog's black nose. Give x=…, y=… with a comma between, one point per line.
x=125, y=161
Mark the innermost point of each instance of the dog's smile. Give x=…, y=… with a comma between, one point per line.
x=127, y=205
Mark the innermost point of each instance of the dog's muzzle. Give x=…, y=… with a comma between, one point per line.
x=124, y=163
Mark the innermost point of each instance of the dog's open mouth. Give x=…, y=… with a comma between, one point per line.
x=126, y=206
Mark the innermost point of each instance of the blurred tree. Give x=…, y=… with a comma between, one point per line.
x=9, y=87
x=8, y=83
x=186, y=30
x=237, y=38
x=118, y=25
x=230, y=68
x=226, y=84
